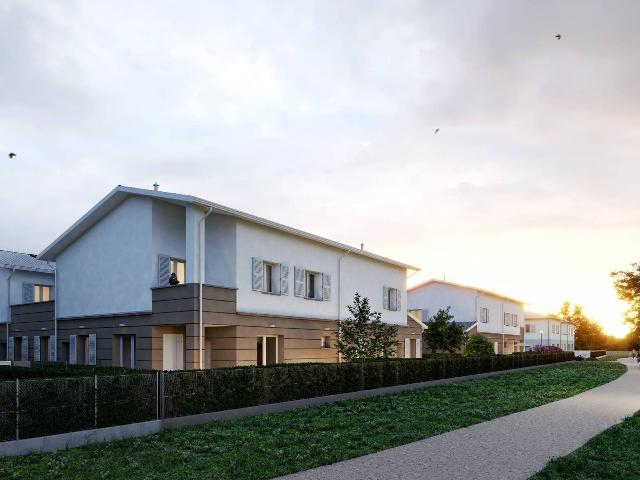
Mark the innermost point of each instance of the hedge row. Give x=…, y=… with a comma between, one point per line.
x=61, y=370
x=597, y=353
x=58, y=405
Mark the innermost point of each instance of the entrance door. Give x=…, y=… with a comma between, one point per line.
x=172, y=351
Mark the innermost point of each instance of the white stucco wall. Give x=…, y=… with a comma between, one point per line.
x=168, y=234
x=565, y=340
x=465, y=306
x=109, y=269
x=13, y=283
x=432, y=297
x=220, y=251
x=361, y=274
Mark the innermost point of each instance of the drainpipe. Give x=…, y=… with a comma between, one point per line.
x=55, y=316
x=202, y=265
x=13, y=270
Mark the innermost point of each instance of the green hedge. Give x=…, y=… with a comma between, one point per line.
x=57, y=370
x=58, y=405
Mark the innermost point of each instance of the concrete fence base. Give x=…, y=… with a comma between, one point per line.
x=62, y=441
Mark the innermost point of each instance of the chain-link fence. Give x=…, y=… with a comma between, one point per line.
x=36, y=407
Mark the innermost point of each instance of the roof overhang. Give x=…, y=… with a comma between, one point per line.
x=121, y=193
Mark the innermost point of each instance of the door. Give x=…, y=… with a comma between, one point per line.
x=172, y=351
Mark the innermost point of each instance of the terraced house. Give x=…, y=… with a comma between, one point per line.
x=548, y=330
x=169, y=281
x=23, y=279
x=497, y=317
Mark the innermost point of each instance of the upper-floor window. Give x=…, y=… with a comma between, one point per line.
x=507, y=319
x=41, y=293
x=313, y=285
x=484, y=315
x=391, y=299
x=177, y=268
x=514, y=318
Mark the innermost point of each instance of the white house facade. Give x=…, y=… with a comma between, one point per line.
x=129, y=276
x=496, y=317
x=548, y=330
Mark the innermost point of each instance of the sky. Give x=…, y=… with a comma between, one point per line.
x=321, y=115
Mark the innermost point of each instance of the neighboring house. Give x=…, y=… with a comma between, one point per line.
x=270, y=293
x=548, y=330
x=23, y=279
x=497, y=317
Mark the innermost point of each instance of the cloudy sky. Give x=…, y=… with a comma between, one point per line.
x=321, y=115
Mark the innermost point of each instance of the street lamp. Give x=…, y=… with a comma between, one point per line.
x=541, y=332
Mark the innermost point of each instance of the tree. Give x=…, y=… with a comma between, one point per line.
x=443, y=333
x=627, y=285
x=476, y=346
x=364, y=335
x=589, y=333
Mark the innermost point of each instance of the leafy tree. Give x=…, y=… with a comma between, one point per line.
x=589, y=334
x=443, y=333
x=364, y=335
x=627, y=285
x=477, y=345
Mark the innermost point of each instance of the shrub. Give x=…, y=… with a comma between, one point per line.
x=546, y=349
x=477, y=345
x=597, y=353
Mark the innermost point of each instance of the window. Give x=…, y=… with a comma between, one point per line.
x=325, y=342
x=484, y=315
x=271, y=272
x=507, y=319
x=313, y=285
x=515, y=320
x=41, y=293
x=268, y=278
x=177, y=266
x=393, y=299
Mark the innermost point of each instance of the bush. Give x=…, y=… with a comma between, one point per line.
x=597, y=353
x=477, y=345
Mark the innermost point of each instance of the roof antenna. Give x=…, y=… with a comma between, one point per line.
x=362, y=247
x=155, y=186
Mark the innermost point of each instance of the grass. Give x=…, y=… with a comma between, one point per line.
x=612, y=455
x=267, y=446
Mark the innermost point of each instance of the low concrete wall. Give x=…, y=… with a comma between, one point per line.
x=62, y=441
x=52, y=443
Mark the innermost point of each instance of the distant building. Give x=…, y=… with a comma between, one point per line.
x=497, y=317
x=548, y=330
x=23, y=279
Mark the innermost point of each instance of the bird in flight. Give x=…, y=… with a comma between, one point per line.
x=558, y=36
x=436, y=131
x=11, y=155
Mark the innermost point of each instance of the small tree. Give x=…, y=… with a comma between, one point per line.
x=364, y=335
x=477, y=345
x=443, y=333
x=627, y=285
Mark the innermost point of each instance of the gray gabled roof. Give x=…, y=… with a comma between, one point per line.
x=121, y=193
x=25, y=261
x=466, y=287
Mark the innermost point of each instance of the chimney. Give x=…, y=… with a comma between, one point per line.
x=155, y=186
x=362, y=247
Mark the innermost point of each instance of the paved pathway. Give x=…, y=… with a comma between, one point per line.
x=511, y=447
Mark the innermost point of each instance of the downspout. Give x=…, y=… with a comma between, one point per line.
x=55, y=316
x=13, y=270
x=202, y=265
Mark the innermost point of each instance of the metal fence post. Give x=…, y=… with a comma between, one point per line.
x=162, y=394
x=95, y=401
x=157, y=395
x=17, y=409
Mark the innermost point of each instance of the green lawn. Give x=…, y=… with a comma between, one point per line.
x=614, y=454
x=270, y=445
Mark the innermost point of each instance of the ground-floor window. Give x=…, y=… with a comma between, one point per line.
x=325, y=342
x=17, y=349
x=267, y=350
x=125, y=351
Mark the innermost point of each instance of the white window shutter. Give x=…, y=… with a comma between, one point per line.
x=92, y=349
x=27, y=292
x=398, y=299
x=73, y=349
x=10, y=349
x=418, y=348
x=257, y=268
x=52, y=348
x=326, y=287
x=407, y=347
x=36, y=348
x=385, y=298
x=298, y=288
x=25, y=348
x=164, y=270
x=284, y=279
